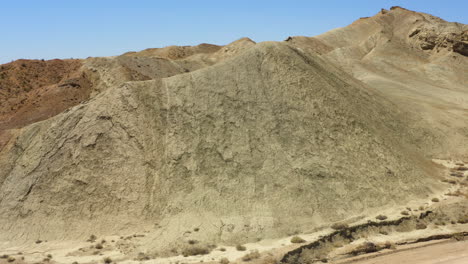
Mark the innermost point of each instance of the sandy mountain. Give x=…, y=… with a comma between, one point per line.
x=245, y=141
x=417, y=60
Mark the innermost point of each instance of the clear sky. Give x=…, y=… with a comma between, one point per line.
x=37, y=29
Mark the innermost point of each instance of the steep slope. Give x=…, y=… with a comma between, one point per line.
x=268, y=142
x=417, y=60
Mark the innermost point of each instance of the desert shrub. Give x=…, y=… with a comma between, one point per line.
x=107, y=260
x=222, y=249
x=196, y=229
x=75, y=262
x=38, y=241
x=367, y=247
x=224, y=261
x=381, y=217
x=251, y=256
x=192, y=242
x=142, y=256
x=339, y=226
x=11, y=259
x=98, y=246
x=195, y=250
x=49, y=256
x=297, y=240
x=241, y=248
x=435, y=200
x=92, y=238
x=421, y=225
x=404, y=212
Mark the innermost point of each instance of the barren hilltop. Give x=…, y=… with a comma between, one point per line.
x=351, y=142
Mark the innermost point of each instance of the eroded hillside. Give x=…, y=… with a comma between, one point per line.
x=242, y=142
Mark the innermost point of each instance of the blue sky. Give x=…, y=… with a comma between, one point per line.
x=37, y=29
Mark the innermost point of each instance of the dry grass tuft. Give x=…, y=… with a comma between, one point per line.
x=241, y=248
x=297, y=240
x=251, y=256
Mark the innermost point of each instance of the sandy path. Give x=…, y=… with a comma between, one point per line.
x=447, y=252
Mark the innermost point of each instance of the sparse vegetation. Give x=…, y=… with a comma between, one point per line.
x=49, y=256
x=339, y=226
x=98, y=246
x=222, y=249
x=38, y=241
x=224, y=261
x=142, y=256
x=381, y=217
x=11, y=259
x=251, y=256
x=92, y=238
x=192, y=242
x=297, y=240
x=196, y=229
x=435, y=200
x=367, y=247
x=241, y=248
x=195, y=250
x=107, y=260
x=404, y=212
x=421, y=225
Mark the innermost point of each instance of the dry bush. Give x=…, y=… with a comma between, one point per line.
x=92, y=238
x=251, y=256
x=222, y=249
x=98, y=246
x=195, y=250
x=107, y=260
x=11, y=259
x=366, y=247
x=339, y=226
x=420, y=226
x=435, y=200
x=381, y=217
x=224, y=261
x=241, y=248
x=404, y=212
x=297, y=240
